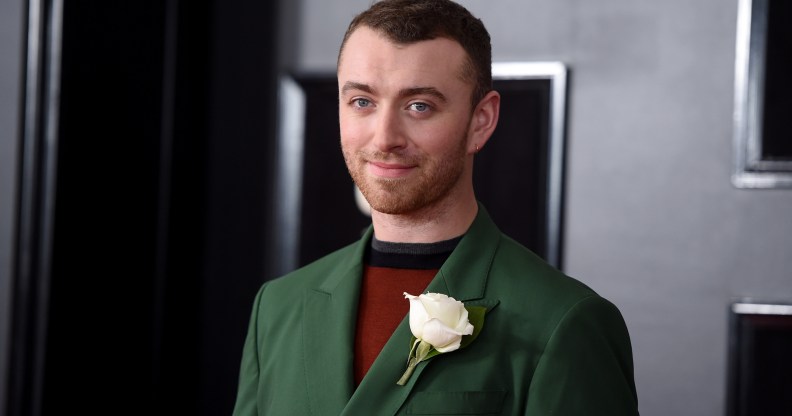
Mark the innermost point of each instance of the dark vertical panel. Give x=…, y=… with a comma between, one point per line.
x=776, y=127
x=511, y=173
x=162, y=208
x=183, y=208
x=99, y=349
x=760, y=363
x=241, y=136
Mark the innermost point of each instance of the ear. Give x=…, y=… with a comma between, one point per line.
x=483, y=121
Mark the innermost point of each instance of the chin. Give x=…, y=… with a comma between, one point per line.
x=392, y=206
x=403, y=203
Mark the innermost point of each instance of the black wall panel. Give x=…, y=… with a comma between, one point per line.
x=166, y=124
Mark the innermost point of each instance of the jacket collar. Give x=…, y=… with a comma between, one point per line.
x=331, y=313
x=464, y=275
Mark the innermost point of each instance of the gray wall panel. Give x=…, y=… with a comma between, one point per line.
x=11, y=42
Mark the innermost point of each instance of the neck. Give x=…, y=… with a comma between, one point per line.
x=442, y=221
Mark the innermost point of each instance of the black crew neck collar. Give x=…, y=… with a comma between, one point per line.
x=423, y=256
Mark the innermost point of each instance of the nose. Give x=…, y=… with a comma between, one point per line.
x=389, y=132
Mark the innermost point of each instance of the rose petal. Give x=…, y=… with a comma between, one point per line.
x=418, y=315
x=451, y=347
x=468, y=330
x=446, y=309
x=464, y=325
x=441, y=336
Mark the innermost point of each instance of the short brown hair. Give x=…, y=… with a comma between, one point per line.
x=410, y=21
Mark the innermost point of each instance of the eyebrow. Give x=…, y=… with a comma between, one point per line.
x=351, y=85
x=405, y=92
x=432, y=91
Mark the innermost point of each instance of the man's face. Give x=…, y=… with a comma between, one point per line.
x=405, y=113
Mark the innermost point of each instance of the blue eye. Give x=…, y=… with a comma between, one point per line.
x=361, y=102
x=420, y=107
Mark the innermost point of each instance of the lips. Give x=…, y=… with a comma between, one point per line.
x=390, y=169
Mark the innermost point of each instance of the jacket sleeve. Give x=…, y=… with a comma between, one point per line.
x=247, y=392
x=586, y=367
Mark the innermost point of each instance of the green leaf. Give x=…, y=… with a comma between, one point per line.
x=432, y=353
x=476, y=318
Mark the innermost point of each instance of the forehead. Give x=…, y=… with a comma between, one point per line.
x=369, y=57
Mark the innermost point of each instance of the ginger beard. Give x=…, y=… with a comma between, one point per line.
x=433, y=179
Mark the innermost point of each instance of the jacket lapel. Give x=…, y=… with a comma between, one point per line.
x=463, y=277
x=330, y=312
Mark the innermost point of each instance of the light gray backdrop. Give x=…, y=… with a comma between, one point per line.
x=652, y=221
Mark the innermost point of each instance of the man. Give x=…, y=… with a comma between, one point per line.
x=415, y=106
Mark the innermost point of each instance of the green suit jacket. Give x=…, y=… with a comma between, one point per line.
x=549, y=344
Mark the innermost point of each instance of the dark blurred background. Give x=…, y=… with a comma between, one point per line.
x=162, y=168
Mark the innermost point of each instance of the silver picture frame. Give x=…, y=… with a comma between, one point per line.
x=751, y=168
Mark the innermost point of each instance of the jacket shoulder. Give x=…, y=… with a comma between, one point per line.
x=313, y=273
x=528, y=268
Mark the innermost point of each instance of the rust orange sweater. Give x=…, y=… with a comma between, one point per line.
x=390, y=270
x=381, y=309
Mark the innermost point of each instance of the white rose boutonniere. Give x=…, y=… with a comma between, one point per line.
x=439, y=324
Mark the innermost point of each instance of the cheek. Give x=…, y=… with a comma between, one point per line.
x=440, y=139
x=353, y=132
